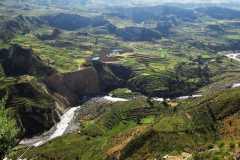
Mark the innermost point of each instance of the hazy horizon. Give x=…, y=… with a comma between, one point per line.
x=134, y=2
x=130, y=3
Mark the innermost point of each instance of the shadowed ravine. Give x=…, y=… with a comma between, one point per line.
x=67, y=119
x=111, y=80
x=63, y=126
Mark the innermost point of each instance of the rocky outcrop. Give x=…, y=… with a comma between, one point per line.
x=39, y=94
x=32, y=106
x=72, y=87
x=88, y=82
x=17, y=61
x=112, y=75
x=34, y=109
x=75, y=86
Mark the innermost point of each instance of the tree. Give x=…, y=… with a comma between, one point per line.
x=8, y=131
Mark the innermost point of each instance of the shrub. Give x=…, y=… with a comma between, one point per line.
x=221, y=144
x=210, y=146
x=216, y=158
x=232, y=145
x=8, y=131
x=93, y=130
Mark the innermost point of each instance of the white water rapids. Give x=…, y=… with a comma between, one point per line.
x=68, y=116
x=114, y=99
x=236, y=57
x=61, y=127
x=65, y=122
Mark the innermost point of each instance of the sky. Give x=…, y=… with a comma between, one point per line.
x=185, y=1
x=154, y=2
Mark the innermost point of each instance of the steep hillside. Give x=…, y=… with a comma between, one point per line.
x=122, y=83
x=17, y=61
x=18, y=24
x=130, y=130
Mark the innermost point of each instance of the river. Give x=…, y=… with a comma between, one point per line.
x=66, y=119
x=62, y=126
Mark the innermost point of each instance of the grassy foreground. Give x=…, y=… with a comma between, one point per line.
x=207, y=128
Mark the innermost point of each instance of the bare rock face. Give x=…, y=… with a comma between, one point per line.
x=71, y=88
x=91, y=81
x=40, y=94
x=29, y=102
x=33, y=108
x=112, y=75
x=17, y=61
x=74, y=86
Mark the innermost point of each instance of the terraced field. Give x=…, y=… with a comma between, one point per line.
x=159, y=82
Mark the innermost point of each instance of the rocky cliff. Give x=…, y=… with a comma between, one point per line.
x=34, y=109
x=39, y=94
x=17, y=61
x=74, y=86
x=97, y=79
x=29, y=102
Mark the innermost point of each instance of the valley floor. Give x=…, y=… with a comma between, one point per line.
x=149, y=83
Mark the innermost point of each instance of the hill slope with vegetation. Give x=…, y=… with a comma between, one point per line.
x=152, y=82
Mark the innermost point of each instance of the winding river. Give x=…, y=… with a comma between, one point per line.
x=236, y=57
x=67, y=118
x=61, y=127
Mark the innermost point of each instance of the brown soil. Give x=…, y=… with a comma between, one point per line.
x=121, y=141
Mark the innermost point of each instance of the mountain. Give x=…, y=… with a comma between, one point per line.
x=116, y=80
